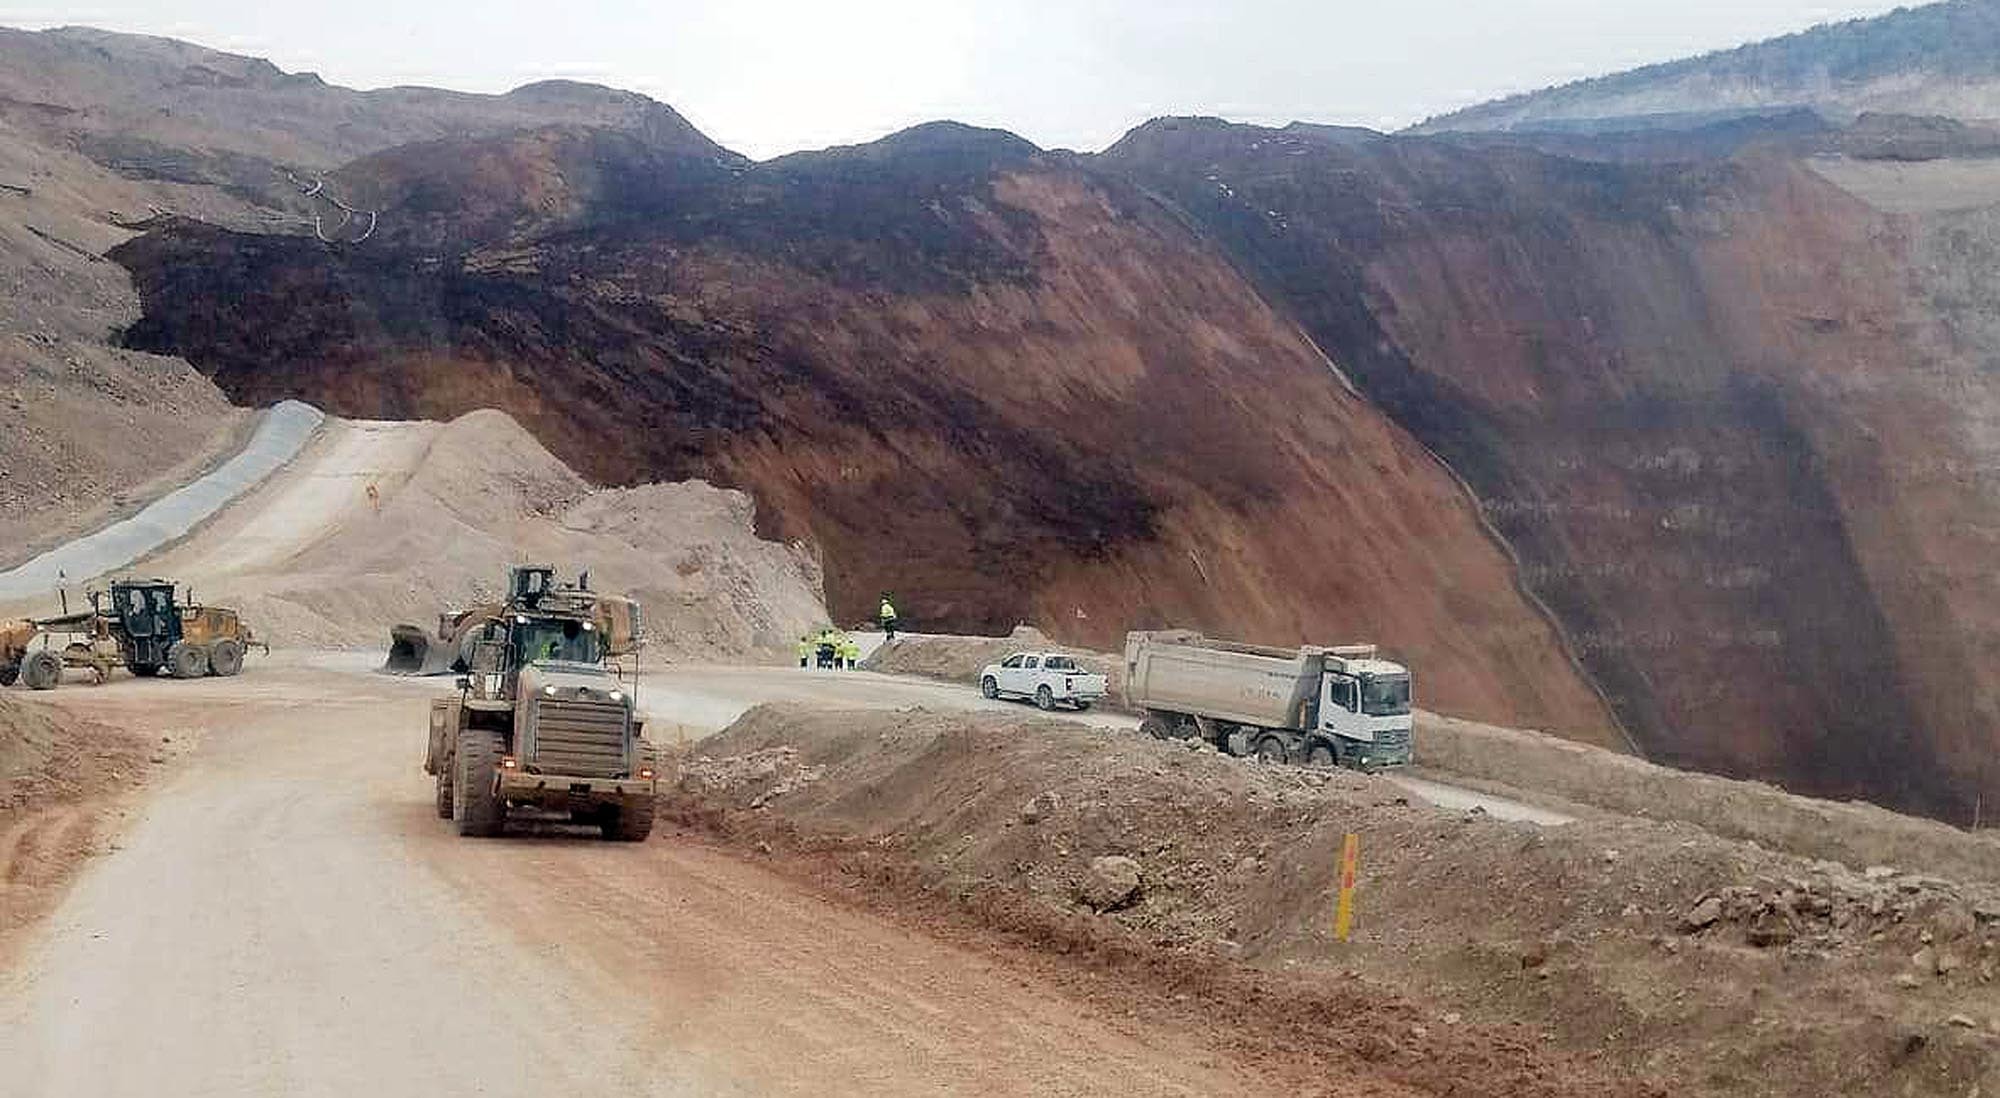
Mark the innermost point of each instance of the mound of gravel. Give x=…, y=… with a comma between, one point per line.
x=1668, y=951
x=485, y=495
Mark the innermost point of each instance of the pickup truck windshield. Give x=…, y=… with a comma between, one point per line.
x=1385, y=697
x=569, y=641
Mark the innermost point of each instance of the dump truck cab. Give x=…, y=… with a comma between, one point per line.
x=542, y=722
x=1364, y=707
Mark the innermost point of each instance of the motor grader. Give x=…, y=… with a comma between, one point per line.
x=136, y=624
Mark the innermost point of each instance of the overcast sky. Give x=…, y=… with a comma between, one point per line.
x=772, y=76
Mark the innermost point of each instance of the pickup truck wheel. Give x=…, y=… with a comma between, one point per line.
x=474, y=802
x=1081, y=705
x=1322, y=756
x=42, y=671
x=1272, y=749
x=989, y=688
x=1044, y=698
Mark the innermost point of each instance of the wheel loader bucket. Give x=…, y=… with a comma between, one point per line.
x=415, y=652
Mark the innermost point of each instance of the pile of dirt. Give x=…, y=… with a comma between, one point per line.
x=455, y=505
x=1659, y=951
x=1858, y=834
x=60, y=778
x=960, y=659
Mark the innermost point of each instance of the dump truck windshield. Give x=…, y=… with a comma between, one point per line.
x=558, y=639
x=1385, y=697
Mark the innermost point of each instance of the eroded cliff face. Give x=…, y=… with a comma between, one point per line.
x=1000, y=383
x=1735, y=447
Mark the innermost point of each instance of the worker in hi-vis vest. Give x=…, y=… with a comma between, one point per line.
x=886, y=614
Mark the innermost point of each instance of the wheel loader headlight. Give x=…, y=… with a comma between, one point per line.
x=616, y=695
x=549, y=690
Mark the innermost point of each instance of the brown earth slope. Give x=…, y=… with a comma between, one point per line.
x=999, y=384
x=1738, y=455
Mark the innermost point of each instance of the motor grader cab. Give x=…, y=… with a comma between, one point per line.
x=542, y=723
x=154, y=633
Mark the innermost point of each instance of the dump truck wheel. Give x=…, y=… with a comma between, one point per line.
x=1322, y=756
x=630, y=822
x=42, y=671
x=988, y=688
x=1272, y=749
x=475, y=805
x=10, y=673
x=1155, y=727
x=444, y=792
x=1044, y=699
x=187, y=661
x=226, y=658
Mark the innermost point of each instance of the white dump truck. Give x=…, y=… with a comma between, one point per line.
x=1049, y=678
x=1319, y=706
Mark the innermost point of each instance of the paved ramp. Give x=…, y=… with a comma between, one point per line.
x=279, y=437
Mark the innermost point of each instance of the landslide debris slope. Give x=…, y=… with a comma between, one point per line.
x=1737, y=447
x=99, y=131
x=993, y=380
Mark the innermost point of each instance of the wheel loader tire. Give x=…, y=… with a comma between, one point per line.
x=42, y=671
x=1044, y=698
x=10, y=673
x=989, y=688
x=143, y=670
x=630, y=822
x=444, y=792
x=475, y=805
x=187, y=661
x=225, y=659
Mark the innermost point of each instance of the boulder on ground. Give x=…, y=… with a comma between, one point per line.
x=1112, y=882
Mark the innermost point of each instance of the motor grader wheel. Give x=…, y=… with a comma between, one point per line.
x=42, y=671
x=187, y=661
x=226, y=658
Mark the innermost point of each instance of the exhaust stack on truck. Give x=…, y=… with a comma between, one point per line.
x=1319, y=706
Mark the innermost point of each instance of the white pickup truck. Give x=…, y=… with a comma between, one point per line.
x=1050, y=678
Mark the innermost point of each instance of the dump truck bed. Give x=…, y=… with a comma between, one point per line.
x=1246, y=684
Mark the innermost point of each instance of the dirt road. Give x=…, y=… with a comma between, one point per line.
x=689, y=702
x=284, y=430
x=287, y=916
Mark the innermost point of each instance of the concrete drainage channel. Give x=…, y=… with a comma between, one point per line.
x=278, y=439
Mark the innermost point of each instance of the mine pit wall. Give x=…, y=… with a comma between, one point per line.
x=1739, y=457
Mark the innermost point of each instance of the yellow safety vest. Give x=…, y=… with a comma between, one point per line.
x=887, y=611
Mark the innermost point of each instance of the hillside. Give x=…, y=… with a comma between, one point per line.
x=1938, y=59
x=1719, y=394
x=99, y=131
x=1735, y=438
x=988, y=379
